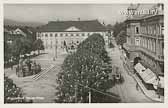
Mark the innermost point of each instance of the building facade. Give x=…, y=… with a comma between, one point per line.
x=68, y=33
x=145, y=40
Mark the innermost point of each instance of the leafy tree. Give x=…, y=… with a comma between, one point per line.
x=85, y=68
x=12, y=93
x=118, y=27
x=38, y=45
x=95, y=44
x=21, y=46
x=7, y=51
x=121, y=38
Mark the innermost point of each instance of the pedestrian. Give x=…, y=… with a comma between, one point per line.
x=137, y=87
x=158, y=87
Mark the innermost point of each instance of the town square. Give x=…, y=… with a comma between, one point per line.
x=84, y=53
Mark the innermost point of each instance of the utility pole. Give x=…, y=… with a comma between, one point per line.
x=55, y=53
x=56, y=48
x=76, y=93
x=90, y=97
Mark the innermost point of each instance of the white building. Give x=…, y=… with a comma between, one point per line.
x=68, y=33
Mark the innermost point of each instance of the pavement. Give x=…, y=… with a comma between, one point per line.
x=151, y=94
x=41, y=88
x=127, y=90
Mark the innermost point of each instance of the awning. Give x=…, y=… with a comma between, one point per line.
x=148, y=76
x=139, y=67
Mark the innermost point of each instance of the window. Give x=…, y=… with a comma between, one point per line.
x=77, y=34
x=66, y=34
x=46, y=35
x=137, y=30
x=137, y=41
x=51, y=35
x=55, y=34
x=61, y=34
x=71, y=34
x=162, y=28
x=88, y=34
x=83, y=34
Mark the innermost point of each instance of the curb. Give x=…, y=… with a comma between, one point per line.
x=143, y=91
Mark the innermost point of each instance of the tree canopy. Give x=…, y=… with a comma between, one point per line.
x=85, y=68
x=12, y=93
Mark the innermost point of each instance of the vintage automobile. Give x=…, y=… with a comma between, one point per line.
x=116, y=74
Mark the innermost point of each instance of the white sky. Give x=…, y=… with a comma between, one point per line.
x=109, y=13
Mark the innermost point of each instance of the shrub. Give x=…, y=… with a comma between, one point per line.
x=12, y=93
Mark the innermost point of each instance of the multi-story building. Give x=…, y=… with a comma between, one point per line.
x=68, y=33
x=145, y=39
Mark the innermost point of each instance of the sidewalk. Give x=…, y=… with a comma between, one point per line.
x=151, y=94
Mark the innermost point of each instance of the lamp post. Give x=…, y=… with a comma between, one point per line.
x=55, y=54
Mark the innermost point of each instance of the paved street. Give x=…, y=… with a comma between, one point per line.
x=41, y=86
x=127, y=91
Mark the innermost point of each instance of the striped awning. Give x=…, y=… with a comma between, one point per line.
x=139, y=68
x=146, y=74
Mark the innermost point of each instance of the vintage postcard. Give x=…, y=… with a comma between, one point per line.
x=83, y=53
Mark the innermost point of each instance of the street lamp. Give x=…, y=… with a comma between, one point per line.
x=55, y=54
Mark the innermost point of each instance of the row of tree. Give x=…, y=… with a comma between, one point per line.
x=119, y=32
x=20, y=46
x=85, y=74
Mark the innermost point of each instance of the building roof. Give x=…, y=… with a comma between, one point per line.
x=61, y=26
x=26, y=30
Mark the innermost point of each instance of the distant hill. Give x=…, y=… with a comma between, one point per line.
x=19, y=23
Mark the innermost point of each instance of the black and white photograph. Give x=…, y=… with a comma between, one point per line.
x=83, y=53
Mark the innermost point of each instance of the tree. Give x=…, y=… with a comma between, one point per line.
x=12, y=93
x=38, y=45
x=95, y=44
x=7, y=52
x=83, y=69
x=21, y=46
x=121, y=38
x=118, y=27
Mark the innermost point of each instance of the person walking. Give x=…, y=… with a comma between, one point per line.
x=158, y=87
x=137, y=87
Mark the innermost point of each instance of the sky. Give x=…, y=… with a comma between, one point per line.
x=107, y=13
